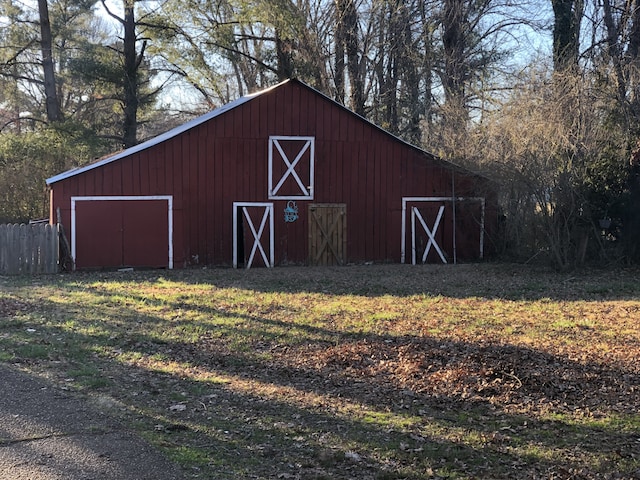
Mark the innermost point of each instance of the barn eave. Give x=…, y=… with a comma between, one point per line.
x=160, y=138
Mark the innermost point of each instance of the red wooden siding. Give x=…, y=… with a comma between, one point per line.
x=225, y=160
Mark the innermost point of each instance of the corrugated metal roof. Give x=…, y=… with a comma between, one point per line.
x=160, y=138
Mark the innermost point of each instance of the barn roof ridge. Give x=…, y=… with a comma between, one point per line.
x=220, y=111
x=433, y=156
x=366, y=120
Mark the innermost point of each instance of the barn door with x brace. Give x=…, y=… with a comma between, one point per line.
x=291, y=167
x=253, y=234
x=422, y=220
x=418, y=223
x=433, y=235
x=327, y=234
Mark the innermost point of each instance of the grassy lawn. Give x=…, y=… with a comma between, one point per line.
x=364, y=372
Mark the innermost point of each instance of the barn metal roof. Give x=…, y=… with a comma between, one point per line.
x=160, y=138
x=215, y=113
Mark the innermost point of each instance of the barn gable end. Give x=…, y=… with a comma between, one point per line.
x=284, y=176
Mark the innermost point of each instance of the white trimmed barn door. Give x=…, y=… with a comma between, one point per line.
x=424, y=221
x=291, y=167
x=441, y=229
x=253, y=234
x=419, y=227
x=122, y=231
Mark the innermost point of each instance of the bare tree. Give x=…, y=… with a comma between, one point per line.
x=455, y=39
x=563, y=170
x=347, y=41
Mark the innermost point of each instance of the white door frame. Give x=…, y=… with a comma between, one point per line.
x=105, y=198
x=267, y=216
x=431, y=232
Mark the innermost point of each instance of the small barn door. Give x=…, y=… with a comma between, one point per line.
x=425, y=237
x=122, y=231
x=327, y=234
x=427, y=233
x=253, y=234
x=291, y=168
x=442, y=229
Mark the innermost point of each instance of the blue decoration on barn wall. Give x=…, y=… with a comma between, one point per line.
x=291, y=212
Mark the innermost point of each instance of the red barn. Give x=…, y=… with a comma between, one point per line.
x=283, y=176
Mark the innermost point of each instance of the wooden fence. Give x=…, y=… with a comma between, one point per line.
x=29, y=249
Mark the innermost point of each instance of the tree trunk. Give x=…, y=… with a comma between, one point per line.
x=456, y=67
x=284, y=54
x=613, y=47
x=453, y=41
x=353, y=57
x=46, y=41
x=347, y=43
x=566, y=33
x=340, y=37
x=410, y=78
x=633, y=53
x=379, y=100
x=131, y=62
x=396, y=52
x=427, y=64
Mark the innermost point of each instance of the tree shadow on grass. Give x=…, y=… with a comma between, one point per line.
x=322, y=403
x=484, y=280
x=302, y=422
x=508, y=374
x=503, y=372
x=334, y=405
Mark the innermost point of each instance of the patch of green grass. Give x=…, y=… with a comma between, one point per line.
x=89, y=376
x=190, y=457
x=563, y=324
x=5, y=356
x=384, y=316
x=32, y=352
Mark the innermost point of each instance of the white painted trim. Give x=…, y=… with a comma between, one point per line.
x=257, y=246
x=102, y=198
x=406, y=200
x=306, y=190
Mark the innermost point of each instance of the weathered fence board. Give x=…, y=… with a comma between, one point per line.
x=28, y=249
